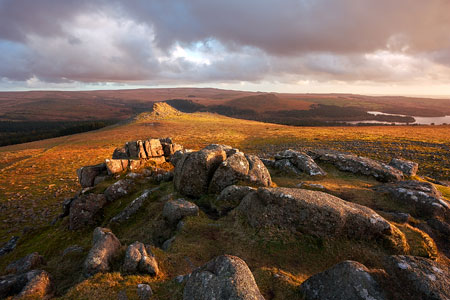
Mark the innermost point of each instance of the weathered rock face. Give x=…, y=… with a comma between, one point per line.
x=39, y=285
x=118, y=189
x=423, y=196
x=228, y=149
x=257, y=172
x=285, y=165
x=348, y=280
x=178, y=155
x=406, y=166
x=132, y=208
x=223, y=278
x=358, y=165
x=297, y=162
x=36, y=284
x=115, y=166
x=9, y=245
x=86, y=175
x=421, y=278
x=140, y=258
x=105, y=247
x=84, y=210
x=153, y=148
x=147, y=149
x=25, y=264
x=144, y=291
x=195, y=170
x=229, y=172
x=120, y=153
x=175, y=210
x=231, y=197
x=312, y=212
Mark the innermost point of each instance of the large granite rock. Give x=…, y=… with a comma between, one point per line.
x=422, y=196
x=85, y=210
x=295, y=161
x=347, y=280
x=36, y=284
x=86, y=175
x=257, y=173
x=420, y=278
x=118, y=189
x=26, y=264
x=175, y=210
x=234, y=169
x=406, y=166
x=223, y=278
x=105, y=246
x=195, y=170
x=240, y=168
x=284, y=165
x=358, y=165
x=140, y=259
x=312, y=212
x=230, y=198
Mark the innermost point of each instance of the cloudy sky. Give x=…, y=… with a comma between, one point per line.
x=357, y=46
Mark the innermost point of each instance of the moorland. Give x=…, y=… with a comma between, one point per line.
x=36, y=177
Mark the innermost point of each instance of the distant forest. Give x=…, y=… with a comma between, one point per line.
x=21, y=132
x=317, y=115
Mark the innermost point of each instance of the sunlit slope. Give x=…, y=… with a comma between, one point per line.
x=36, y=177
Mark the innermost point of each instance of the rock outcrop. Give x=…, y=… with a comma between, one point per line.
x=26, y=264
x=105, y=246
x=358, y=165
x=422, y=196
x=312, y=212
x=230, y=198
x=175, y=210
x=140, y=259
x=118, y=189
x=85, y=209
x=36, y=284
x=215, y=167
x=132, y=156
x=347, y=280
x=234, y=169
x=223, y=278
x=195, y=170
x=86, y=175
x=133, y=207
x=257, y=172
x=420, y=278
x=297, y=162
x=408, y=167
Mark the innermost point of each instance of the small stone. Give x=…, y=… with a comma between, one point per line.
x=144, y=291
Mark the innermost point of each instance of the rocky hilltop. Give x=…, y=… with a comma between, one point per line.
x=165, y=222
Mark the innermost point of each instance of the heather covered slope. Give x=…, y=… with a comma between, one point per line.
x=37, y=177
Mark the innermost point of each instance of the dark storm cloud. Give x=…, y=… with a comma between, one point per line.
x=188, y=41
x=293, y=26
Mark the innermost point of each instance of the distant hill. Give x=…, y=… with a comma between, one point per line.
x=267, y=102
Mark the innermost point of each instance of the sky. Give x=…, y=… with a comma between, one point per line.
x=397, y=47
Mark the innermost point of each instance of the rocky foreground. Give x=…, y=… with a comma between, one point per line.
x=239, y=186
